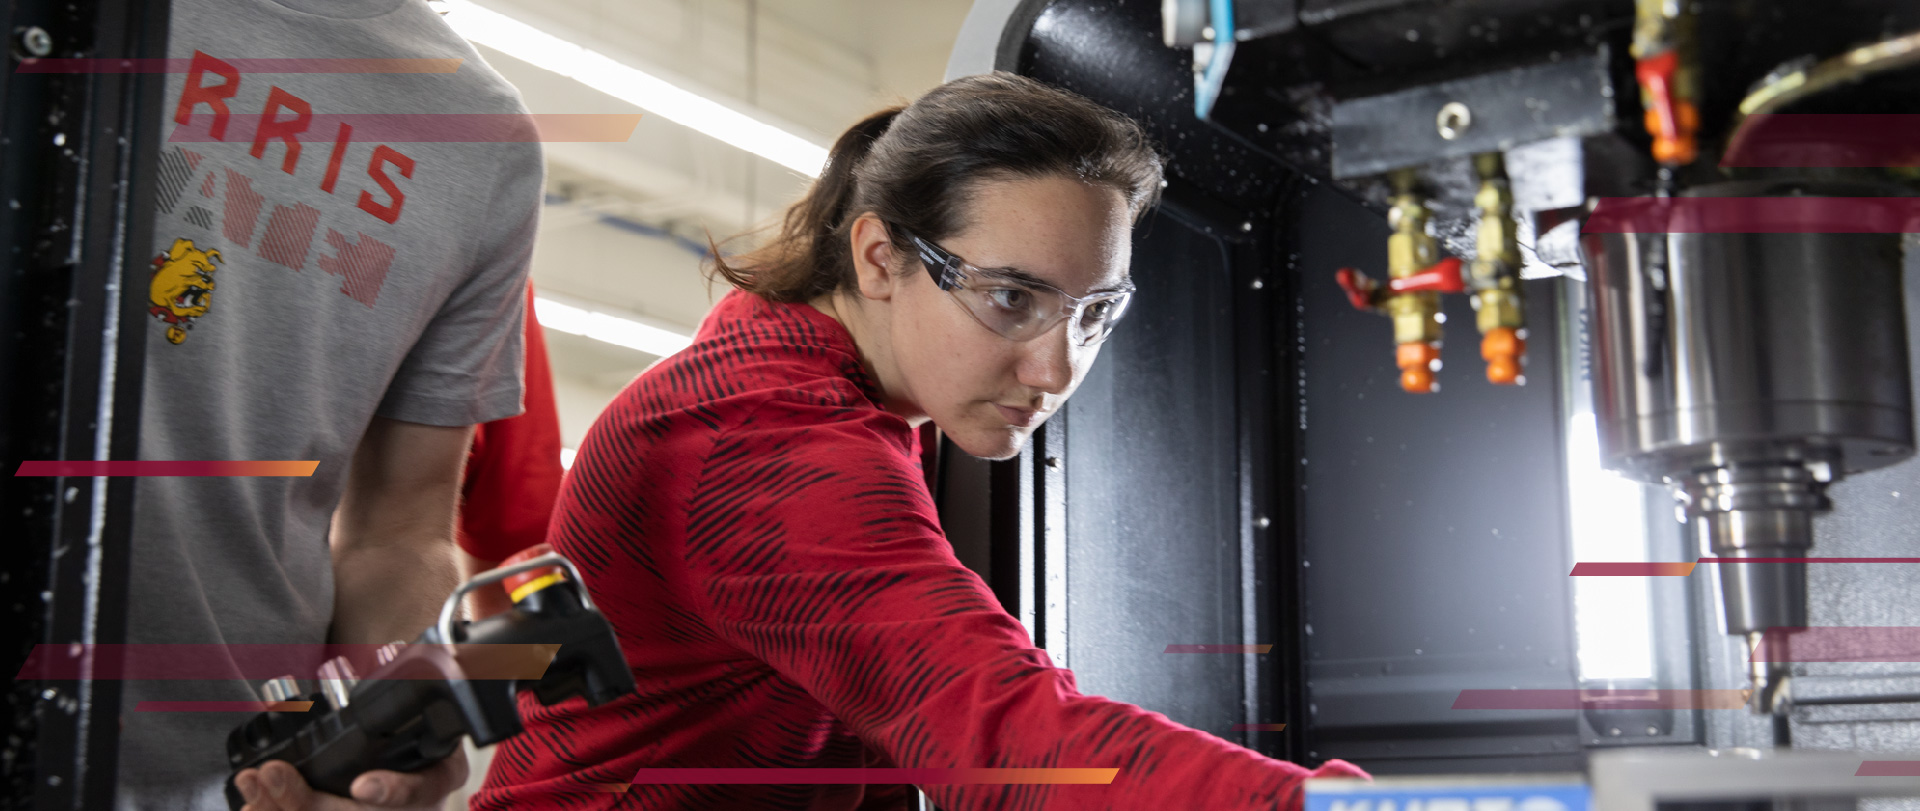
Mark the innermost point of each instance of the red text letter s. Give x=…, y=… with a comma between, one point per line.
x=278, y=100
x=195, y=93
x=386, y=154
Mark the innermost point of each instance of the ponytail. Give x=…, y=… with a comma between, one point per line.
x=809, y=257
x=917, y=167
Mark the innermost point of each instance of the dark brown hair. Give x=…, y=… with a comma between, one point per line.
x=917, y=167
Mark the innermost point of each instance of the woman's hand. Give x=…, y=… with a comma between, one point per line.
x=277, y=786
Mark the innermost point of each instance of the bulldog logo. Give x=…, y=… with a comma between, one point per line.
x=182, y=286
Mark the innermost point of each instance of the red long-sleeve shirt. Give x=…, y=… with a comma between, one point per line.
x=758, y=531
x=513, y=466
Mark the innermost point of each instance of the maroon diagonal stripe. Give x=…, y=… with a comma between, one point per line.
x=1588, y=568
x=1839, y=644
x=75, y=662
x=1802, y=140
x=1754, y=215
x=829, y=776
x=276, y=65
x=1573, y=699
x=437, y=128
x=130, y=467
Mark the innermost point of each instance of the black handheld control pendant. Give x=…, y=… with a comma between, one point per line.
x=420, y=699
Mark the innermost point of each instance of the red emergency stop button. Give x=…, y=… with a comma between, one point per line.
x=520, y=585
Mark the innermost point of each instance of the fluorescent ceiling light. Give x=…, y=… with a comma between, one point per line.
x=650, y=93
x=613, y=329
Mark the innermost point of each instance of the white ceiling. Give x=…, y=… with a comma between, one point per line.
x=624, y=219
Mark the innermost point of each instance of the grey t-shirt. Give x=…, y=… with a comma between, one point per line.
x=294, y=298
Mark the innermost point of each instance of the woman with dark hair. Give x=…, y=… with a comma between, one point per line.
x=752, y=517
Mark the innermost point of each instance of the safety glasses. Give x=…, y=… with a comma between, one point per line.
x=1016, y=307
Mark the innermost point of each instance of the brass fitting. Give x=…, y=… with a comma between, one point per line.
x=1498, y=302
x=1664, y=68
x=1416, y=325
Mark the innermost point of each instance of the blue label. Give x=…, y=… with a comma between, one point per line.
x=1465, y=797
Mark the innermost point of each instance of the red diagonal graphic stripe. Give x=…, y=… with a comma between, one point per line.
x=437, y=128
x=242, y=208
x=771, y=776
x=289, y=235
x=1588, y=568
x=166, y=468
x=274, y=65
x=1218, y=648
x=361, y=265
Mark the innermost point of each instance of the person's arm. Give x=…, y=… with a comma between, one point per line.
x=843, y=582
x=393, y=547
x=393, y=566
x=487, y=601
x=393, y=551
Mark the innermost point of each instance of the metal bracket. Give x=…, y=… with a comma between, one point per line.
x=1491, y=112
x=444, y=627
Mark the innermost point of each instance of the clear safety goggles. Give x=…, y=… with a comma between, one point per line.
x=1018, y=308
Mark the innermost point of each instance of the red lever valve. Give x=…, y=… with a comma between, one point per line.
x=1362, y=291
x=1365, y=294
x=1440, y=277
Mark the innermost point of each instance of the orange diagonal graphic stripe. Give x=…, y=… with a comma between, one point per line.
x=84, y=467
x=1218, y=649
x=1590, y=568
x=223, y=706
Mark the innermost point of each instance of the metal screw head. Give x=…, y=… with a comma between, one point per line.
x=283, y=688
x=1653, y=730
x=1053, y=461
x=1454, y=119
x=1257, y=284
x=1262, y=522
x=35, y=41
x=1246, y=225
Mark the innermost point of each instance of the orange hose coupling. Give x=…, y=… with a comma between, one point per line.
x=1671, y=119
x=1502, y=348
x=1418, y=362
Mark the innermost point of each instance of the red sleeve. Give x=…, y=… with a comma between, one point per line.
x=815, y=547
x=513, y=471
